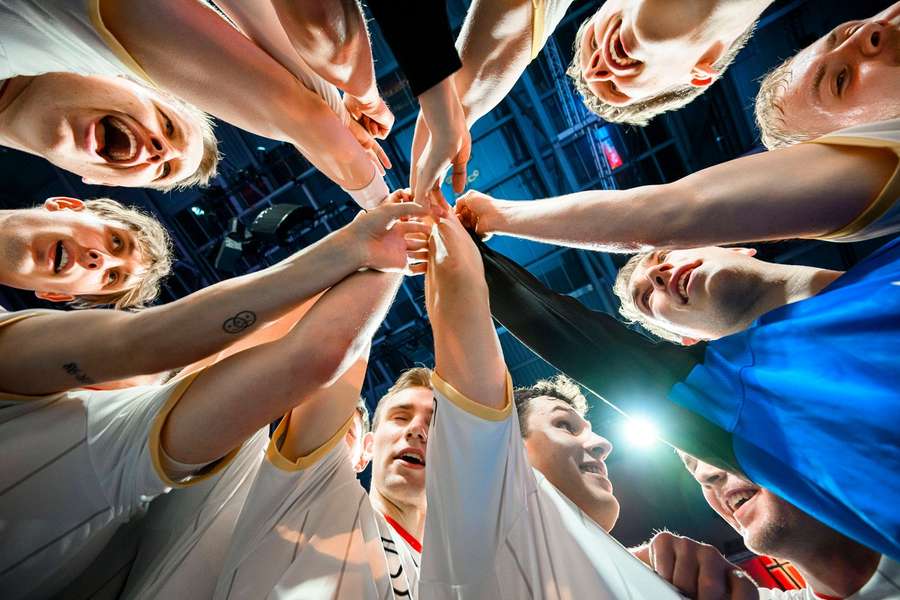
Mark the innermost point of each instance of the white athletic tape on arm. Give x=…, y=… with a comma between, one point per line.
x=372, y=194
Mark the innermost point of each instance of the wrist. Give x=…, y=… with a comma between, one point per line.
x=498, y=218
x=348, y=248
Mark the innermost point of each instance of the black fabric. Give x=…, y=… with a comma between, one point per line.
x=419, y=34
x=623, y=367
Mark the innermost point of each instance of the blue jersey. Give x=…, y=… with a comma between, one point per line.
x=811, y=395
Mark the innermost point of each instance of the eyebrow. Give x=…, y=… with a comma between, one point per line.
x=634, y=294
x=830, y=43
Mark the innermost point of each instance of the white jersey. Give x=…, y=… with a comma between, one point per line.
x=309, y=532
x=76, y=465
x=546, y=15
x=883, y=585
x=497, y=529
x=185, y=534
x=46, y=36
x=882, y=216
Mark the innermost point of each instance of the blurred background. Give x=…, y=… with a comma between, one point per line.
x=539, y=142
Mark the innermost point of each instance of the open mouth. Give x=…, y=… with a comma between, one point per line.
x=738, y=499
x=60, y=257
x=681, y=280
x=414, y=458
x=116, y=141
x=617, y=53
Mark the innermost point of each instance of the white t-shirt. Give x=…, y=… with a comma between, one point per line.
x=884, y=585
x=76, y=465
x=882, y=216
x=546, y=16
x=497, y=529
x=185, y=534
x=308, y=532
x=46, y=36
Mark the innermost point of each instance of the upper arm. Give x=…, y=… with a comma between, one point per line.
x=804, y=191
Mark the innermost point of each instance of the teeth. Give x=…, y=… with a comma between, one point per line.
x=64, y=260
x=114, y=150
x=738, y=500
x=619, y=60
x=412, y=458
x=682, y=287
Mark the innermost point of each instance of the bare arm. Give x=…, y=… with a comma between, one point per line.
x=234, y=398
x=467, y=353
x=70, y=349
x=258, y=94
x=804, y=191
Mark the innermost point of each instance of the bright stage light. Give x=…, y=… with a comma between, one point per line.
x=640, y=432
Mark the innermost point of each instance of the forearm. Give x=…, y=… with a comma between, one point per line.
x=104, y=345
x=800, y=192
x=331, y=37
x=160, y=34
x=232, y=399
x=495, y=48
x=467, y=353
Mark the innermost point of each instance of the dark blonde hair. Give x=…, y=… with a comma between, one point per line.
x=559, y=387
x=641, y=112
x=154, y=245
x=415, y=377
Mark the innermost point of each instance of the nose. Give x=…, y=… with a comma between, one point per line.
x=91, y=259
x=709, y=475
x=161, y=150
x=597, y=70
x=417, y=429
x=869, y=39
x=659, y=275
x=598, y=446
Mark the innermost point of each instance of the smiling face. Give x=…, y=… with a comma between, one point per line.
x=768, y=524
x=60, y=251
x=561, y=445
x=110, y=130
x=702, y=293
x=632, y=50
x=397, y=445
x=848, y=77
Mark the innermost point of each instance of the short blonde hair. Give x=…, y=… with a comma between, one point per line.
x=640, y=113
x=629, y=310
x=774, y=129
x=154, y=245
x=410, y=378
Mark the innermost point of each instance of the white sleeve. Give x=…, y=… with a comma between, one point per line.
x=123, y=428
x=477, y=483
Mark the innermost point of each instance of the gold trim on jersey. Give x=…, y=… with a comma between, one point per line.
x=474, y=408
x=279, y=460
x=538, y=23
x=113, y=44
x=153, y=439
x=885, y=198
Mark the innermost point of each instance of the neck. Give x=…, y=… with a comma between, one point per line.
x=730, y=18
x=785, y=284
x=411, y=517
x=6, y=229
x=837, y=566
x=11, y=105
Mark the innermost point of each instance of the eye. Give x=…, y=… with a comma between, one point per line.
x=841, y=81
x=112, y=277
x=170, y=127
x=645, y=298
x=117, y=241
x=564, y=424
x=166, y=170
x=613, y=87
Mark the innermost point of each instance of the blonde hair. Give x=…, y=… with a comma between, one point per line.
x=641, y=112
x=774, y=130
x=154, y=245
x=559, y=387
x=627, y=307
x=410, y=378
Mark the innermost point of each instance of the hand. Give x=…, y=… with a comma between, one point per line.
x=699, y=570
x=373, y=115
x=376, y=153
x=454, y=263
x=448, y=142
x=478, y=212
x=388, y=236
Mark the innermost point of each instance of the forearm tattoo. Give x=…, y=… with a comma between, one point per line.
x=239, y=322
x=75, y=371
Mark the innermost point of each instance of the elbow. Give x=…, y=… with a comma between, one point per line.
x=672, y=211
x=330, y=360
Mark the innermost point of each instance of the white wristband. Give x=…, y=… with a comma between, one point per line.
x=372, y=194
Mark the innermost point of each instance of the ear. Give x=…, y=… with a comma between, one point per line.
x=361, y=463
x=704, y=73
x=54, y=297
x=55, y=203
x=689, y=341
x=368, y=443
x=744, y=251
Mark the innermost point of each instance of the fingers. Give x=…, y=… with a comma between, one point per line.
x=712, y=577
x=662, y=555
x=684, y=576
x=741, y=586
x=417, y=256
x=460, y=161
x=411, y=227
x=395, y=210
x=381, y=155
x=417, y=268
x=416, y=242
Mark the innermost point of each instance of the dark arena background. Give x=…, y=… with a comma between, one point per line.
x=539, y=142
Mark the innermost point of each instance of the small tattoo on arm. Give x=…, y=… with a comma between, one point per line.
x=75, y=371
x=239, y=322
